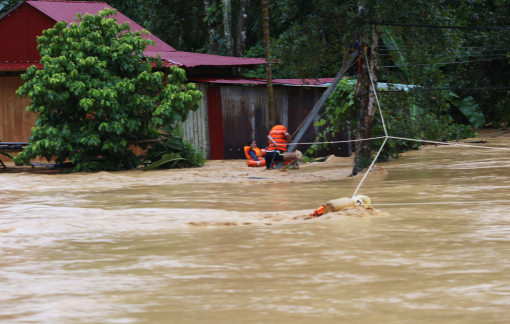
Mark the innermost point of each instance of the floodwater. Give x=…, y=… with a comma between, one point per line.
x=74, y=249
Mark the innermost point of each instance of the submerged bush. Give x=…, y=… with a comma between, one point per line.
x=175, y=151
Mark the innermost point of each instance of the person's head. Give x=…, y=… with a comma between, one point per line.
x=251, y=143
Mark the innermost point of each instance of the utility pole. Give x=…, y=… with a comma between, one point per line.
x=269, y=71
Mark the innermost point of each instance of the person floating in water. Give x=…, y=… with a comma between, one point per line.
x=277, y=150
x=254, y=155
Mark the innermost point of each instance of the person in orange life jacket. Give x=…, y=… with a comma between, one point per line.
x=277, y=150
x=253, y=152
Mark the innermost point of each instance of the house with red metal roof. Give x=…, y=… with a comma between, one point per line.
x=233, y=110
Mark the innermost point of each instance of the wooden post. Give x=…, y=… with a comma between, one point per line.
x=269, y=71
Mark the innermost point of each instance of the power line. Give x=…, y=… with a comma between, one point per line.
x=481, y=55
x=443, y=27
x=458, y=47
x=496, y=58
x=441, y=89
x=473, y=50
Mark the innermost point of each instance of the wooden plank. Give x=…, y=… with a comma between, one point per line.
x=15, y=112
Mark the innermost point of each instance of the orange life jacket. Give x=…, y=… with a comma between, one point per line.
x=258, y=152
x=278, y=135
x=318, y=212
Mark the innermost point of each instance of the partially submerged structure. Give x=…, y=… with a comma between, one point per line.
x=233, y=110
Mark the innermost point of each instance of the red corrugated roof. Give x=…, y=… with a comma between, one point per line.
x=196, y=59
x=67, y=10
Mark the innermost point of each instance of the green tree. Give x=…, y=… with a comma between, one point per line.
x=5, y=5
x=97, y=93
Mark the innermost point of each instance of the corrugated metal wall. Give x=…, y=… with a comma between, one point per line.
x=245, y=116
x=196, y=127
x=301, y=102
x=18, y=36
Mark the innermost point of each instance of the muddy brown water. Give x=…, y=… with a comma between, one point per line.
x=73, y=250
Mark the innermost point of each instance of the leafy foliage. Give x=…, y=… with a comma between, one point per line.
x=160, y=152
x=280, y=71
x=97, y=93
x=468, y=107
x=402, y=116
x=464, y=131
x=5, y=5
x=166, y=158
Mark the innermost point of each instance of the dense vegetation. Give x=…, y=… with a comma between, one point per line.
x=97, y=94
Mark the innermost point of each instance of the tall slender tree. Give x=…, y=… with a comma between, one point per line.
x=242, y=21
x=227, y=26
x=212, y=24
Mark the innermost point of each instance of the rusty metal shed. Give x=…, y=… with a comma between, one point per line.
x=236, y=111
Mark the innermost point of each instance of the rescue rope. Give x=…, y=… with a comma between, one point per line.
x=348, y=141
x=444, y=203
x=369, y=168
x=405, y=139
x=448, y=143
x=376, y=98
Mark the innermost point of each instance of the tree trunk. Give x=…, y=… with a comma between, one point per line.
x=241, y=27
x=269, y=70
x=212, y=27
x=368, y=109
x=227, y=25
x=244, y=5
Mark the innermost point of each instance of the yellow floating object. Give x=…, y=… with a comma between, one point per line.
x=362, y=200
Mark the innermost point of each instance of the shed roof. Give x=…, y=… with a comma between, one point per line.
x=322, y=82
x=189, y=59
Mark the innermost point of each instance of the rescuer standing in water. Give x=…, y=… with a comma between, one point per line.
x=277, y=150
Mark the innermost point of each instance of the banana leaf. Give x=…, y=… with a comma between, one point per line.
x=468, y=107
x=395, y=44
x=167, y=158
